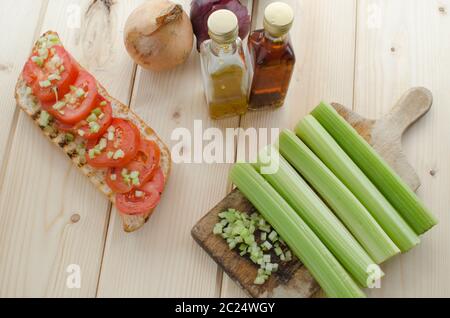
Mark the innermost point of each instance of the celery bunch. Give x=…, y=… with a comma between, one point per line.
x=332, y=155
x=404, y=200
x=342, y=201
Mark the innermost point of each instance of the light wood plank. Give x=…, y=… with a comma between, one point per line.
x=22, y=17
x=399, y=47
x=43, y=192
x=323, y=39
x=162, y=259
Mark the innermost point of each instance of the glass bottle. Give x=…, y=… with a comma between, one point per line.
x=272, y=57
x=224, y=67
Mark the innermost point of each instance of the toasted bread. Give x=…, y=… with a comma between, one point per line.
x=31, y=106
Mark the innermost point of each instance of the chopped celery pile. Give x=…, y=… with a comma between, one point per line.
x=254, y=237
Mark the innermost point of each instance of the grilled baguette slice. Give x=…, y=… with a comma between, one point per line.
x=74, y=149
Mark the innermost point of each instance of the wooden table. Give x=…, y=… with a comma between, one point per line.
x=361, y=53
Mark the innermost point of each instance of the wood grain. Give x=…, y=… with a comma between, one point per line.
x=161, y=259
x=324, y=46
x=51, y=217
x=23, y=17
x=399, y=46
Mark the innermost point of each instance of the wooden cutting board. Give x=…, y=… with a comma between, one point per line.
x=293, y=279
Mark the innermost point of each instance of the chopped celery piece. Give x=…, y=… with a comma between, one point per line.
x=266, y=245
x=291, y=186
x=217, y=229
x=404, y=200
x=273, y=236
x=332, y=155
x=288, y=256
x=80, y=92
x=341, y=200
x=54, y=77
x=69, y=137
x=59, y=105
x=44, y=119
x=92, y=153
x=321, y=263
x=102, y=144
x=134, y=174
x=139, y=194
x=259, y=280
x=94, y=127
x=118, y=154
x=263, y=236
x=278, y=251
x=91, y=118
x=45, y=84
x=39, y=61
x=97, y=111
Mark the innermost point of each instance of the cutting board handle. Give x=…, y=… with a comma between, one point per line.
x=415, y=103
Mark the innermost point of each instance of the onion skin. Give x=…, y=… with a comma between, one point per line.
x=158, y=35
x=202, y=9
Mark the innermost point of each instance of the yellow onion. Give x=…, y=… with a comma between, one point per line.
x=158, y=35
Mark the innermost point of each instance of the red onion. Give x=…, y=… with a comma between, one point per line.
x=201, y=10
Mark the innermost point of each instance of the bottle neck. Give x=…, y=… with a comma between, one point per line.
x=280, y=40
x=223, y=48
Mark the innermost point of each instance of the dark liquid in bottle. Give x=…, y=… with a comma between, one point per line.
x=273, y=63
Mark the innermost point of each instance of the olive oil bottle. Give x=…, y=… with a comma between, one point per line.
x=224, y=67
x=272, y=58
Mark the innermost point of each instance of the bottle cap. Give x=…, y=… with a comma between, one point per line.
x=278, y=18
x=223, y=26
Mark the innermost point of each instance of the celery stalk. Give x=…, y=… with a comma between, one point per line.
x=328, y=150
x=404, y=200
x=316, y=214
x=344, y=204
x=324, y=267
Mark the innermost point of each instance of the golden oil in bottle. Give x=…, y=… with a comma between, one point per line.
x=224, y=67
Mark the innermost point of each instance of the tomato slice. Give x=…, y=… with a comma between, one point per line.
x=78, y=103
x=144, y=199
x=157, y=182
x=130, y=203
x=50, y=72
x=116, y=151
x=102, y=114
x=145, y=164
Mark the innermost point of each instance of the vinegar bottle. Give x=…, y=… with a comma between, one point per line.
x=272, y=58
x=224, y=67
